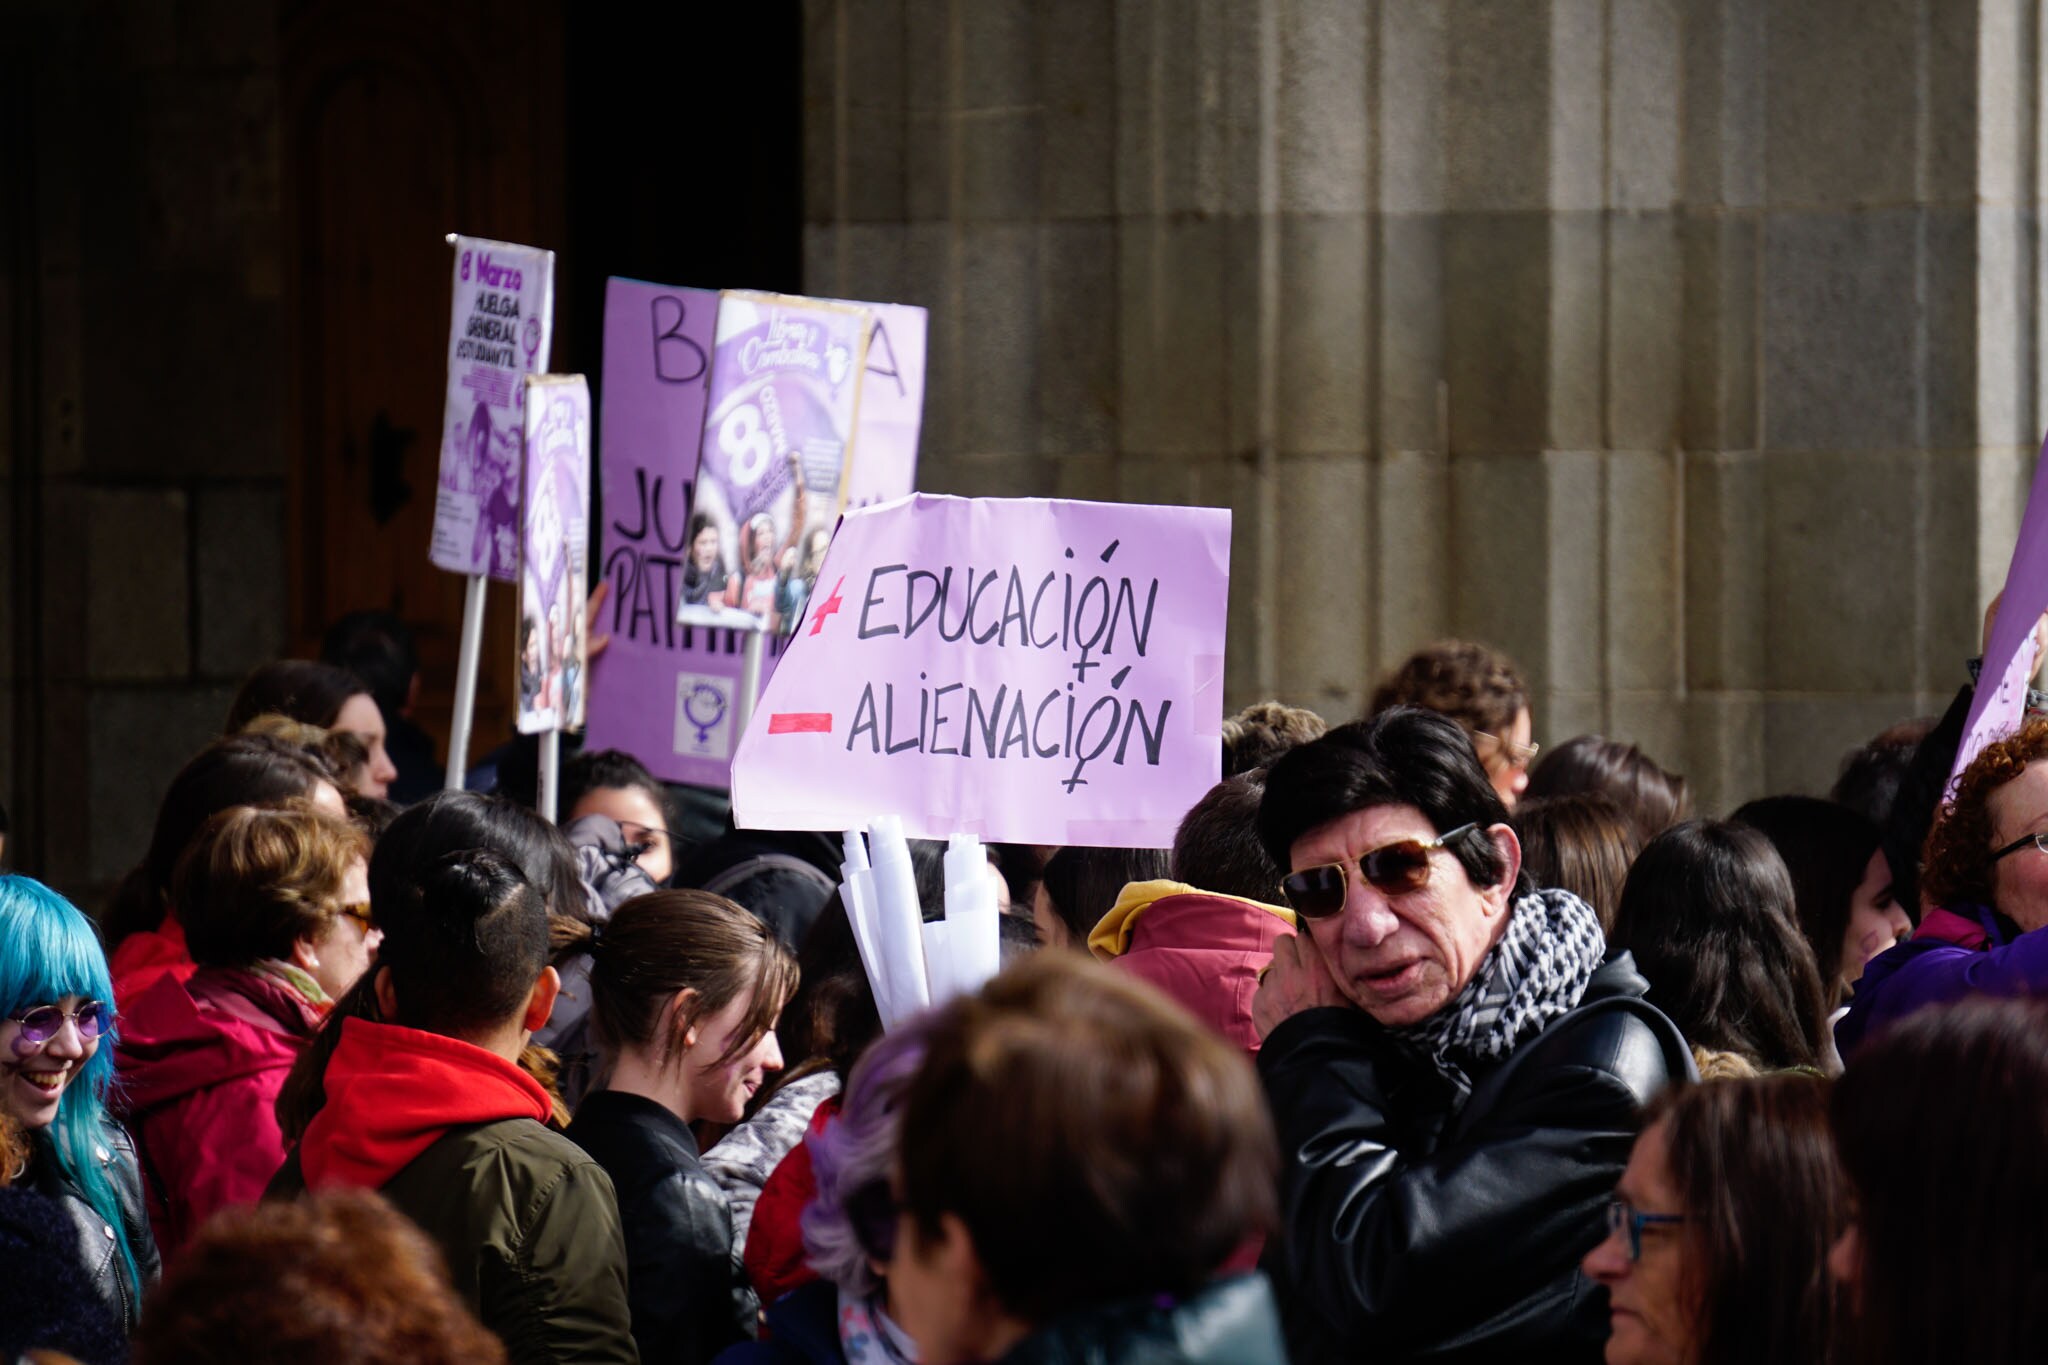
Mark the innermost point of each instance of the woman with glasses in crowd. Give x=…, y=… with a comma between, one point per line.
x=1984, y=887
x=1717, y=1244
x=276, y=909
x=54, y=1078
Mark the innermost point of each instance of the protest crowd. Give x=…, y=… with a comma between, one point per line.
x=1419, y=1043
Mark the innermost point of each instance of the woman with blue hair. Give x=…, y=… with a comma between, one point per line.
x=56, y=1013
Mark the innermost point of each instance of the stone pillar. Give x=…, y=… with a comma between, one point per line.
x=1686, y=349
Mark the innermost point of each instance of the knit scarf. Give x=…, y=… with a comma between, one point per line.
x=1533, y=976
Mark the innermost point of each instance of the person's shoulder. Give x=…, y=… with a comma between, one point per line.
x=520, y=1150
x=1623, y=1036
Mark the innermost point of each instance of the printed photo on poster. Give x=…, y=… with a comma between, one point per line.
x=786, y=378
x=502, y=322
x=553, y=549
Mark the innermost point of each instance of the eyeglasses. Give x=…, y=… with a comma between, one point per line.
x=1623, y=1216
x=639, y=838
x=359, y=911
x=1395, y=870
x=44, y=1022
x=2039, y=841
x=1517, y=755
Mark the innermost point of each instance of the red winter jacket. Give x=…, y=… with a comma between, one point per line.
x=201, y=1062
x=1203, y=949
x=774, y=1257
x=144, y=957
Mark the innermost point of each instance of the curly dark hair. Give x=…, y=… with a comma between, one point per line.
x=338, y=1278
x=1476, y=686
x=1956, y=869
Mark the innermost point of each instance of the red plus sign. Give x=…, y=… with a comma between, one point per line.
x=827, y=607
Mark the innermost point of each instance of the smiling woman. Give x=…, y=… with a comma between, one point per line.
x=685, y=991
x=54, y=1078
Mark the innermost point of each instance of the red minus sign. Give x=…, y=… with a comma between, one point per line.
x=800, y=723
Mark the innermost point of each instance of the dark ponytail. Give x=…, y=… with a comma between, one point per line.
x=466, y=944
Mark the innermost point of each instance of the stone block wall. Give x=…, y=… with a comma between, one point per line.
x=142, y=473
x=1686, y=349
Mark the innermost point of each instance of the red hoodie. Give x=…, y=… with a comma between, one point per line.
x=144, y=957
x=200, y=1061
x=392, y=1092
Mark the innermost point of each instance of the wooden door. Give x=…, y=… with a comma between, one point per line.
x=401, y=123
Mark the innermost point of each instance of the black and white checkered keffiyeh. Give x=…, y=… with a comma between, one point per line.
x=1534, y=975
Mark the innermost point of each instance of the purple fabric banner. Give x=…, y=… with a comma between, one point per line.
x=2010, y=656
x=1023, y=670
x=504, y=317
x=554, y=547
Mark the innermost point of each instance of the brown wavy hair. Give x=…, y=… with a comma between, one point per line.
x=1956, y=866
x=337, y=1278
x=252, y=881
x=1476, y=686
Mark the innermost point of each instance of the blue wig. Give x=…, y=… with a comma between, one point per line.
x=49, y=950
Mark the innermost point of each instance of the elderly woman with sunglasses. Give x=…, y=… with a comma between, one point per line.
x=1454, y=1065
x=54, y=1079
x=276, y=910
x=1718, y=1235
x=1984, y=893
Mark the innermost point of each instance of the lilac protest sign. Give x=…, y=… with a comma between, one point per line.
x=504, y=316
x=2000, y=703
x=786, y=376
x=1022, y=670
x=891, y=406
x=666, y=692
x=554, y=544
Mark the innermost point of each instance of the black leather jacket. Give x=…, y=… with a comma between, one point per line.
x=1410, y=1233
x=94, y=1238
x=686, y=1299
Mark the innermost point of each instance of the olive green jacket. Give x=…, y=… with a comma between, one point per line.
x=530, y=1228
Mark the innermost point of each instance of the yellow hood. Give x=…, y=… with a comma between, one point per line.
x=1112, y=937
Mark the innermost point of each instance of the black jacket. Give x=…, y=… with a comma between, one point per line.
x=92, y=1237
x=679, y=1262
x=1412, y=1234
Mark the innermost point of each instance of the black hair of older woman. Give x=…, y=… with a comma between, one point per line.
x=1708, y=911
x=1940, y=1122
x=1581, y=843
x=1764, y=1199
x=1653, y=798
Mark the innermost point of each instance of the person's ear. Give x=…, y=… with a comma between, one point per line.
x=1509, y=849
x=541, y=1002
x=680, y=1004
x=304, y=956
x=387, y=995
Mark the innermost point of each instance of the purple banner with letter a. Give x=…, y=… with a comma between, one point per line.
x=1025, y=670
